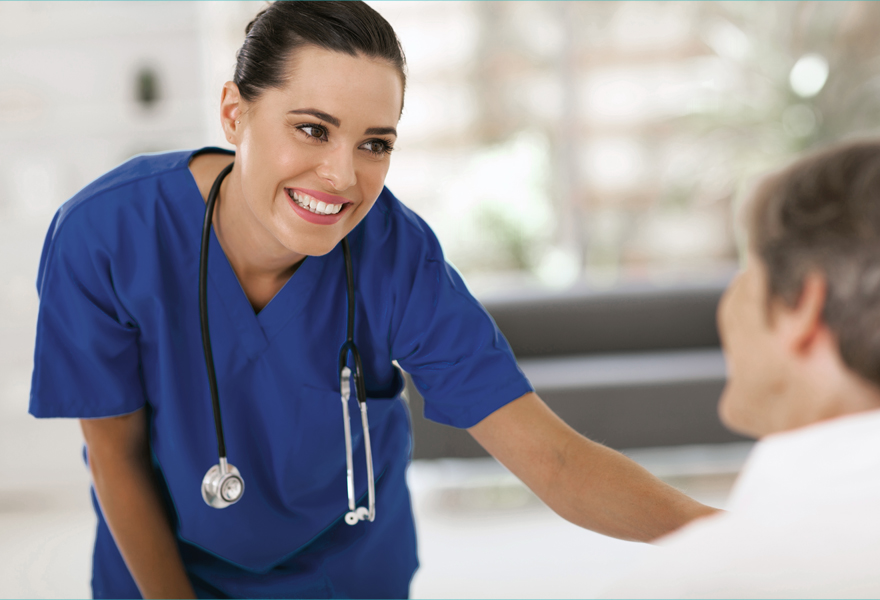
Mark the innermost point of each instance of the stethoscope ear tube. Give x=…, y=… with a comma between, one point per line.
x=222, y=484
x=354, y=515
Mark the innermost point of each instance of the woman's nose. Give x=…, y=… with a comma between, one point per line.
x=337, y=169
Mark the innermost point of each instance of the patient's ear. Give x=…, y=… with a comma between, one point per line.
x=801, y=325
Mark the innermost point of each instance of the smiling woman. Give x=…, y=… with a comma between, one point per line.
x=309, y=255
x=316, y=139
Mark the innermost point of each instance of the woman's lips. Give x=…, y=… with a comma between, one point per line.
x=322, y=196
x=317, y=207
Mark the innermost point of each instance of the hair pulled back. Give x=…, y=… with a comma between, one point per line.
x=280, y=29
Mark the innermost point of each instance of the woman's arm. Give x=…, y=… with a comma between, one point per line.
x=119, y=457
x=584, y=482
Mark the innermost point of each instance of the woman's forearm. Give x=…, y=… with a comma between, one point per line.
x=601, y=489
x=135, y=514
x=584, y=482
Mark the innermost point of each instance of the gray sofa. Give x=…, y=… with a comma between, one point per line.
x=633, y=367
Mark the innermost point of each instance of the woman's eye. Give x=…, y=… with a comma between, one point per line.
x=314, y=131
x=378, y=147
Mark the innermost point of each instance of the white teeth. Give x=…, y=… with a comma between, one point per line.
x=315, y=206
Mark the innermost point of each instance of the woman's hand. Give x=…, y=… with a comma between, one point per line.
x=584, y=482
x=119, y=457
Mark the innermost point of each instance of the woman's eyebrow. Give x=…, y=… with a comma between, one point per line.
x=317, y=113
x=336, y=122
x=381, y=131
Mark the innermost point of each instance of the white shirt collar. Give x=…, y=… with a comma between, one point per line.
x=828, y=462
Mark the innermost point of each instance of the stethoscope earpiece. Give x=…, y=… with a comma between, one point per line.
x=353, y=517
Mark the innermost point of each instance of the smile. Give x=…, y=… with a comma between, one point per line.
x=313, y=205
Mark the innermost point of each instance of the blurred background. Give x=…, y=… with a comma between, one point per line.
x=582, y=159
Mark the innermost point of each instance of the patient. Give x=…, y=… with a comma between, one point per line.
x=800, y=327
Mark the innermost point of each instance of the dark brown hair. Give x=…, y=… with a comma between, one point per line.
x=278, y=30
x=823, y=214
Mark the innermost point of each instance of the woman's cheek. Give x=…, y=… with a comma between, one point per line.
x=375, y=176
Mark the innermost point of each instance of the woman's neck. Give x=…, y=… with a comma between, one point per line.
x=260, y=262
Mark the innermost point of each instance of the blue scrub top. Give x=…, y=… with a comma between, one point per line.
x=118, y=330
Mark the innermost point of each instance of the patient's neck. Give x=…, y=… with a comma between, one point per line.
x=824, y=390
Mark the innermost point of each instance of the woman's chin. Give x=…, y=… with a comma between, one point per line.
x=318, y=247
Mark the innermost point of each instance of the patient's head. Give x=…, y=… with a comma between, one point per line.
x=800, y=324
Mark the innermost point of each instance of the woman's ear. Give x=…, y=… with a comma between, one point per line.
x=230, y=112
x=802, y=325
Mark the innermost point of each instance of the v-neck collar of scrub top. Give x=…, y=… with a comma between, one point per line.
x=256, y=330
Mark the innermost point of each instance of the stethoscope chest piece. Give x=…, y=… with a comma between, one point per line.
x=222, y=485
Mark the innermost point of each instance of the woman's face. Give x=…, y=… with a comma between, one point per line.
x=313, y=156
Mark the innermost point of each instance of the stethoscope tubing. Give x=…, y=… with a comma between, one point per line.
x=203, y=307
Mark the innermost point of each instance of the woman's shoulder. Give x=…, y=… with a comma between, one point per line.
x=394, y=248
x=126, y=210
x=135, y=183
x=398, y=226
x=137, y=168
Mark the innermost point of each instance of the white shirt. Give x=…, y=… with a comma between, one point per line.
x=803, y=522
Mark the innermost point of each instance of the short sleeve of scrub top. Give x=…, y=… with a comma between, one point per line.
x=87, y=357
x=118, y=330
x=442, y=336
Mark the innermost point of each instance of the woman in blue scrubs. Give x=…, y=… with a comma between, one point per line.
x=312, y=112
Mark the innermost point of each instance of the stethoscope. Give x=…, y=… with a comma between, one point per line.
x=223, y=485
